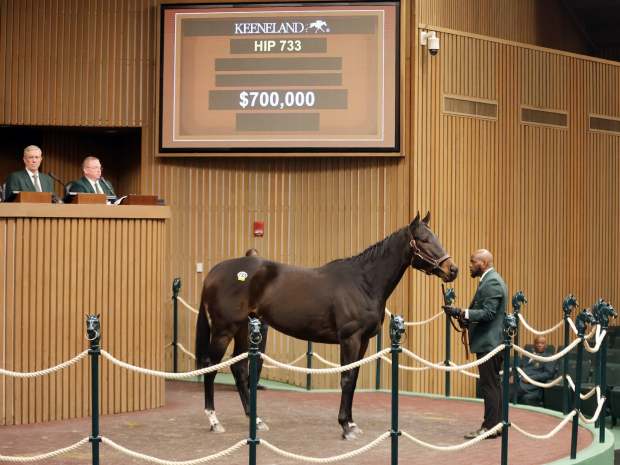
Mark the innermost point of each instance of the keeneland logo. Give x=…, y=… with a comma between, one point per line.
x=294, y=27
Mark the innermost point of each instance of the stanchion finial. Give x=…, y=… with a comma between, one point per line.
x=569, y=304
x=397, y=328
x=518, y=300
x=176, y=286
x=254, y=328
x=510, y=326
x=93, y=329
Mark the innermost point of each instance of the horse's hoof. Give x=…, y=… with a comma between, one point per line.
x=355, y=429
x=261, y=425
x=349, y=435
x=218, y=428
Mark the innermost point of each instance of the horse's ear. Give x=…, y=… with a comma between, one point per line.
x=416, y=220
x=427, y=218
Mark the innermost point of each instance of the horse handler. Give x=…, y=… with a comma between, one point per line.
x=484, y=319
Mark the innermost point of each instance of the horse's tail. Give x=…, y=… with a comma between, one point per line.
x=203, y=334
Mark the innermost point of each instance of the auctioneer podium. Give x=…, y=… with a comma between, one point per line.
x=59, y=263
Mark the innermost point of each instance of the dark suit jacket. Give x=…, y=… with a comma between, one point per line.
x=21, y=181
x=84, y=185
x=486, y=313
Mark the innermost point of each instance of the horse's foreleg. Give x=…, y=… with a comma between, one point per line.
x=354, y=428
x=349, y=352
x=217, y=347
x=240, y=373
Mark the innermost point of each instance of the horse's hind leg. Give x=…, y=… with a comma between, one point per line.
x=352, y=425
x=240, y=373
x=217, y=348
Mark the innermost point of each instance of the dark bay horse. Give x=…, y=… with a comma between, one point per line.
x=342, y=302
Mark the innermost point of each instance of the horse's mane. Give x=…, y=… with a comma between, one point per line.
x=370, y=253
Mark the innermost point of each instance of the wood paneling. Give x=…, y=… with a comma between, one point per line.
x=58, y=268
x=540, y=198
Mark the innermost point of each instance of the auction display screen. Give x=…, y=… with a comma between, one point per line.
x=315, y=77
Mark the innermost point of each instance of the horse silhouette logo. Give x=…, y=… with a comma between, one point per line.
x=318, y=26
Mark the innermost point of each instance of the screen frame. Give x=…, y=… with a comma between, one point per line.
x=327, y=151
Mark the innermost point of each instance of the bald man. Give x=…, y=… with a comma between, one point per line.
x=485, y=318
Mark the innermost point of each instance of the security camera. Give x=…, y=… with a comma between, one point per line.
x=433, y=45
x=430, y=40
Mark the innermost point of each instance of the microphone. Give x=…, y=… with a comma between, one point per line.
x=64, y=186
x=108, y=185
x=53, y=176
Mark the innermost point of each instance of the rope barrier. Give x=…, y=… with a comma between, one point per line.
x=34, y=374
x=333, y=458
x=326, y=362
x=455, y=367
x=188, y=306
x=550, y=358
x=464, y=445
x=164, y=374
x=149, y=458
x=265, y=365
x=551, y=433
x=48, y=455
x=598, y=341
x=532, y=381
x=405, y=367
x=185, y=351
x=597, y=412
x=417, y=323
x=537, y=332
x=339, y=369
x=465, y=372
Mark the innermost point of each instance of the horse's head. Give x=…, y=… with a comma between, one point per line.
x=428, y=255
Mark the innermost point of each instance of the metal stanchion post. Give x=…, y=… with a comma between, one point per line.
x=517, y=301
x=510, y=330
x=93, y=335
x=378, y=361
x=397, y=328
x=602, y=312
x=569, y=303
x=255, y=339
x=309, y=355
x=448, y=298
x=176, y=287
x=581, y=321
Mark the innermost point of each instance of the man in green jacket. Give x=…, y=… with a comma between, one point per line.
x=485, y=319
x=92, y=181
x=29, y=179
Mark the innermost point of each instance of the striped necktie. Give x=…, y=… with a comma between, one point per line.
x=37, y=184
x=98, y=188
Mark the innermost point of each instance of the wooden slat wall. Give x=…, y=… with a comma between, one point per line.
x=112, y=267
x=544, y=23
x=93, y=63
x=541, y=198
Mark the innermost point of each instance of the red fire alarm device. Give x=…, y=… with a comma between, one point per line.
x=259, y=228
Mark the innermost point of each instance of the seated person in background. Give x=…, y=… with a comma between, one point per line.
x=542, y=372
x=92, y=182
x=29, y=179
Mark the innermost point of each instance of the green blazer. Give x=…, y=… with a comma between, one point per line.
x=84, y=185
x=21, y=181
x=486, y=313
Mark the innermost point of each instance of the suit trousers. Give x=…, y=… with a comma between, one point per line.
x=490, y=389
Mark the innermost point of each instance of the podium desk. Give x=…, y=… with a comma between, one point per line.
x=60, y=263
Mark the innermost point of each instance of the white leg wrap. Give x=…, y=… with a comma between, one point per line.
x=214, y=422
x=261, y=425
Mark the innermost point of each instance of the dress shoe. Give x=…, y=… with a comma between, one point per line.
x=478, y=432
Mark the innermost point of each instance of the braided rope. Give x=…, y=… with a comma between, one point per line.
x=597, y=412
x=417, y=323
x=549, y=358
x=454, y=367
x=326, y=362
x=405, y=367
x=339, y=369
x=465, y=372
x=574, y=328
x=149, y=458
x=598, y=341
x=551, y=433
x=532, y=381
x=48, y=455
x=164, y=374
x=461, y=446
x=47, y=371
x=265, y=365
x=537, y=332
x=188, y=306
x=333, y=458
x=185, y=351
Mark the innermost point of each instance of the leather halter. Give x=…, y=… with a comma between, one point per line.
x=435, y=264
